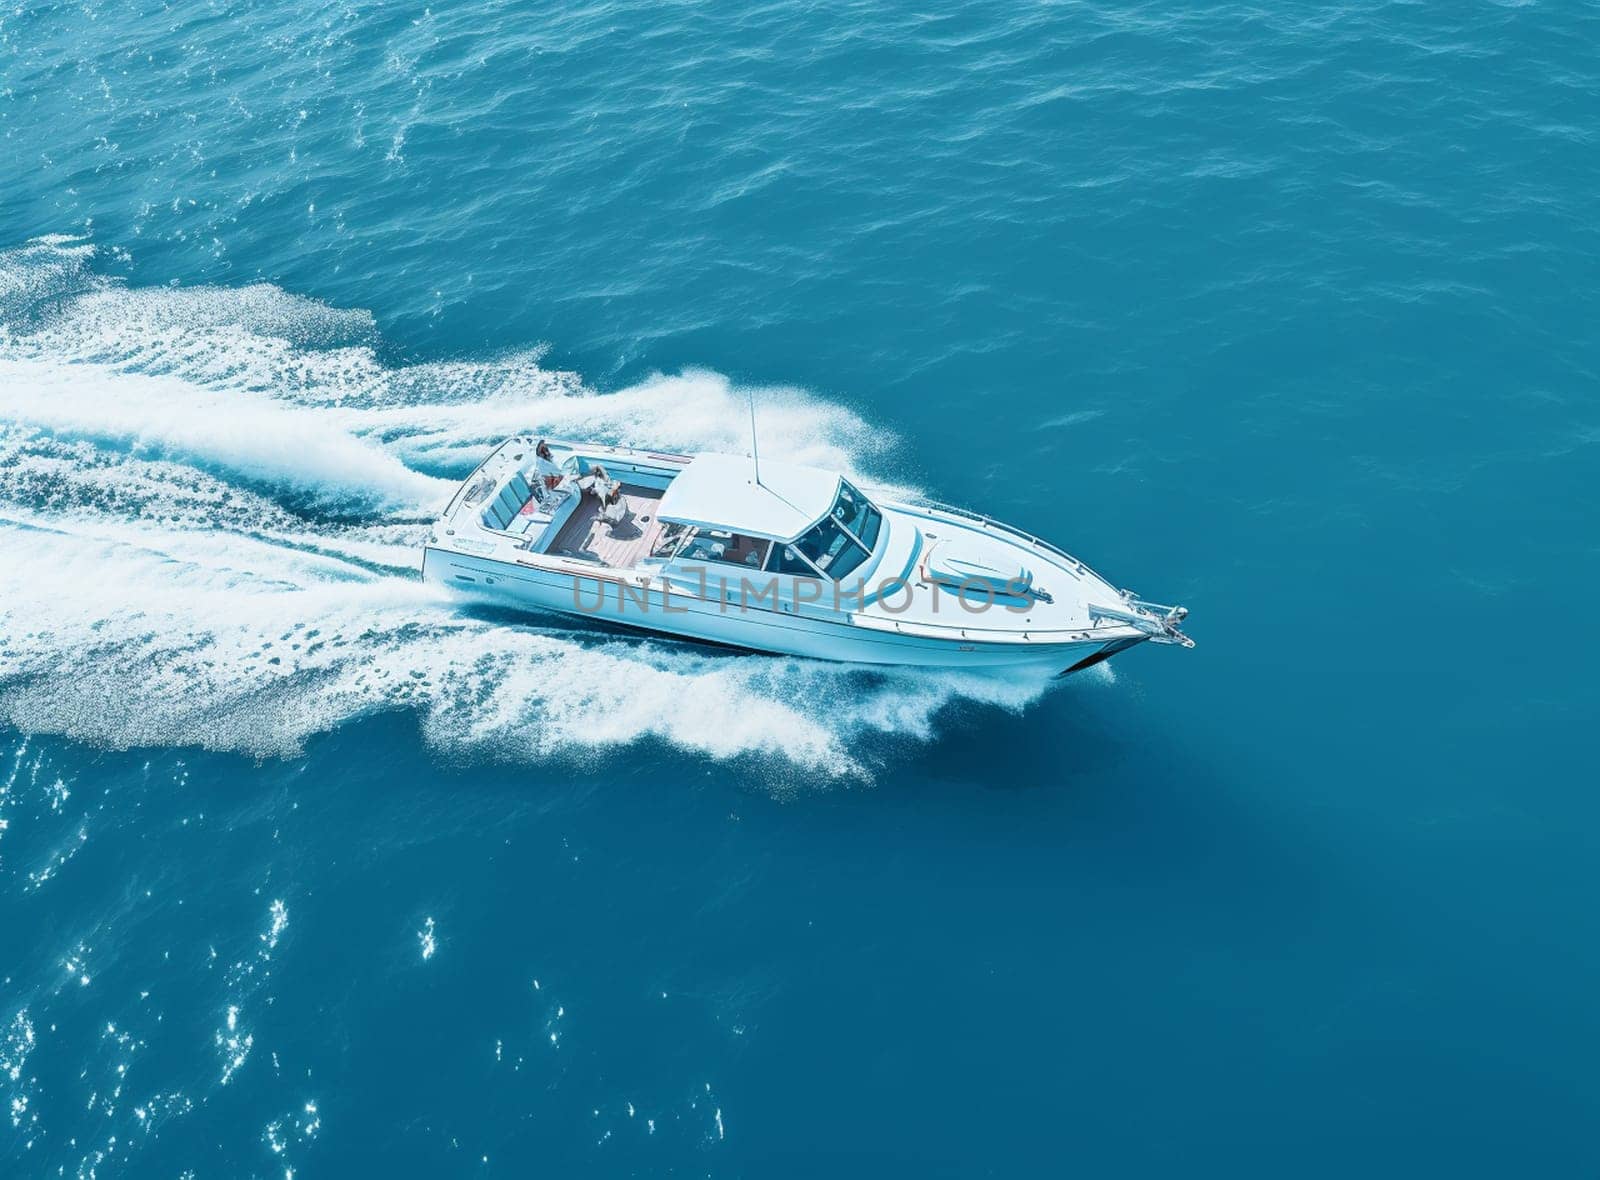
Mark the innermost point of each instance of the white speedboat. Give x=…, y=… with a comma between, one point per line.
x=775, y=558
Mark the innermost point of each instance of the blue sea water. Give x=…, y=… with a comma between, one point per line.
x=1283, y=312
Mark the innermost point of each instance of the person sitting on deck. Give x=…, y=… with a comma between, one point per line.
x=613, y=504
x=549, y=475
x=599, y=482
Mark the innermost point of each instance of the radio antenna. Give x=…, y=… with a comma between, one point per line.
x=755, y=450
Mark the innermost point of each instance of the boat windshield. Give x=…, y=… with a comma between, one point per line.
x=843, y=539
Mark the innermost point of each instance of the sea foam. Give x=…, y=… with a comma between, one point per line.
x=210, y=506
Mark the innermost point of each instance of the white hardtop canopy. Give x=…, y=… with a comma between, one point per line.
x=720, y=492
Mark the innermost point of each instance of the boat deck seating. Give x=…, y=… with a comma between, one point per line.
x=515, y=509
x=521, y=507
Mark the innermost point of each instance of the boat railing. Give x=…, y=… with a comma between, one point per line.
x=1000, y=526
x=875, y=622
x=1155, y=619
x=1158, y=620
x=457, y=500
x=617, y=449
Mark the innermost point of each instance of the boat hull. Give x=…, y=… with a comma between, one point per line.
x=605, y=597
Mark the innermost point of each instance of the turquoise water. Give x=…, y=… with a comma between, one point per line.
x=1283, y=313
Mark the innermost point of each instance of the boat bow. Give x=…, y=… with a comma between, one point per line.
x=1157, y=621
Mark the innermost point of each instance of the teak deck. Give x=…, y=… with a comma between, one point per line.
x=621, y=547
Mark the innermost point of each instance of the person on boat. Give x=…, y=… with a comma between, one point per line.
x=599, y=482
x=545, y=467
x=613, y=506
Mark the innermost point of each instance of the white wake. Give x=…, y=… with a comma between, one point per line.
x=210, y=502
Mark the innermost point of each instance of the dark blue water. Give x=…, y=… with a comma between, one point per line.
x=1284, y=313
